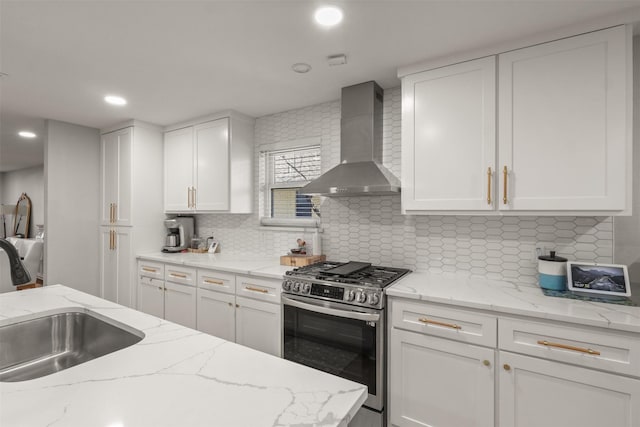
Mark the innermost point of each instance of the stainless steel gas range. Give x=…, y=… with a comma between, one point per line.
x=334, y=321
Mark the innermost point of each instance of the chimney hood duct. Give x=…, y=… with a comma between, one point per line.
x=360, y=172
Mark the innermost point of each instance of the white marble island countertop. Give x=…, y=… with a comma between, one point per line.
x=505, y=297
x=175, y=376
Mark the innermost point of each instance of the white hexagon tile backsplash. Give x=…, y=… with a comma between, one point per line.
x=372, y=229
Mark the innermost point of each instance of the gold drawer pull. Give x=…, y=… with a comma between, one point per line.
x=505, y=174
x=181, y=276
x=506, y=367
x=150, y=270
x=435, y=322
x=489, y=185
x=569, y=347
x=214, y=282
x=251, y=288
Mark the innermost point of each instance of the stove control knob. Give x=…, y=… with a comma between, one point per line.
x=296, y=287
x=361, y=297
x=306, y=288
x=350, y=295
x=373, y=299
x=286, y=285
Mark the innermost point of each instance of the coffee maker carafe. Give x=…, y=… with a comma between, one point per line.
x=179, y=233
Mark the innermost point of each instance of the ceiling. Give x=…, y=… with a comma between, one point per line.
x=176, y=60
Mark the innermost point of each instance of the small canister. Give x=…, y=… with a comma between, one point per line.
x=552, y=272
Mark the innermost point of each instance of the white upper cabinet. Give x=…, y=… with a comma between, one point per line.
x=178, y=169
x=116, y=177
x=563, y=141
x=208, y=166
x=563, y=132
x=448, y=137
x=212, y=179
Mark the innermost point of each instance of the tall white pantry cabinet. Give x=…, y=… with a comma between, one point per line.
x=131, y=211
x=562, y=143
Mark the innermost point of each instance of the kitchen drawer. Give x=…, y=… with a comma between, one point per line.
x=151, y=269
x=151, y=281
x=259, y=288
x=181, y=275
x=217, y=281
x=444, y=321
x=595, y=348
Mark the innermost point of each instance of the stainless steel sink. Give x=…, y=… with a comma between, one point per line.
x=38, y=347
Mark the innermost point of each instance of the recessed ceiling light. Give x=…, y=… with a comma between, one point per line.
x=301, y=67
x=328, y=16
x=26, y=134
x=115, y=100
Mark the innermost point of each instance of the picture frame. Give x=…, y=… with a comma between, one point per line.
x=610, y=280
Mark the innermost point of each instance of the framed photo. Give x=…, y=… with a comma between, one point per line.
x=598, y=279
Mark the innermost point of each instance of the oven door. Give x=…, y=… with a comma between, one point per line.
x=340, y=339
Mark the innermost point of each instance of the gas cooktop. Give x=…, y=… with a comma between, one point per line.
x=355, y=283
x=352, y=272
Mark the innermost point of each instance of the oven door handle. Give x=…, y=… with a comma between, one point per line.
x=368, y=317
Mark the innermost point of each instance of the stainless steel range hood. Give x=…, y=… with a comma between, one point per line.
x=360, y=172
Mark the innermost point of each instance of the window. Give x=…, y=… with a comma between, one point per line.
x=287, y=171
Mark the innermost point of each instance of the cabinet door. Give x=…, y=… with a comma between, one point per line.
x=125, y=289
x=437, y=382
x=448, y=137
x=108, y=266
x=212, y=166
x=563, y=124
x=216, y=314
x=151, y=296
x=116, y=177
x=180, y=304
x=536, y=392
x=178, y=170
x=259, y=325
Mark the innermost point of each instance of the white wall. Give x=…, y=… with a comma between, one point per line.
x=72, y=165
x=30, y=181
x=627, y=229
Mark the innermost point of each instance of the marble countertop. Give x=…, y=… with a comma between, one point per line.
x=233, y=263
x=175, y=376
x=504, y=297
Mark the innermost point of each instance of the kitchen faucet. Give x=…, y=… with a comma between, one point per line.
x=19, y=274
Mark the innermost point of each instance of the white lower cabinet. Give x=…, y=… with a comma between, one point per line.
x=537, y=374
x=258, y=325
x=180, y=304
x=244, y=309
x=438, y=382
x=115, y=265
x=536, y=392
x=253, y=319
x=167, y=292
x=217, y=314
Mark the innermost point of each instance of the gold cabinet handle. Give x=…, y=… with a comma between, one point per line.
x=150, y=270
x=486, y=362
x=505, y=174
x=161, y=288
x=115, y=240
x=214, y=282
x=435, y=322
x=110, y=213
x=110, y=239
x=569, y=347
x=489, y=185
x=195, y=200
x=251, y=288
x=506, y=367
x=237, y=305
x=180, y=276
x=230, y=304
